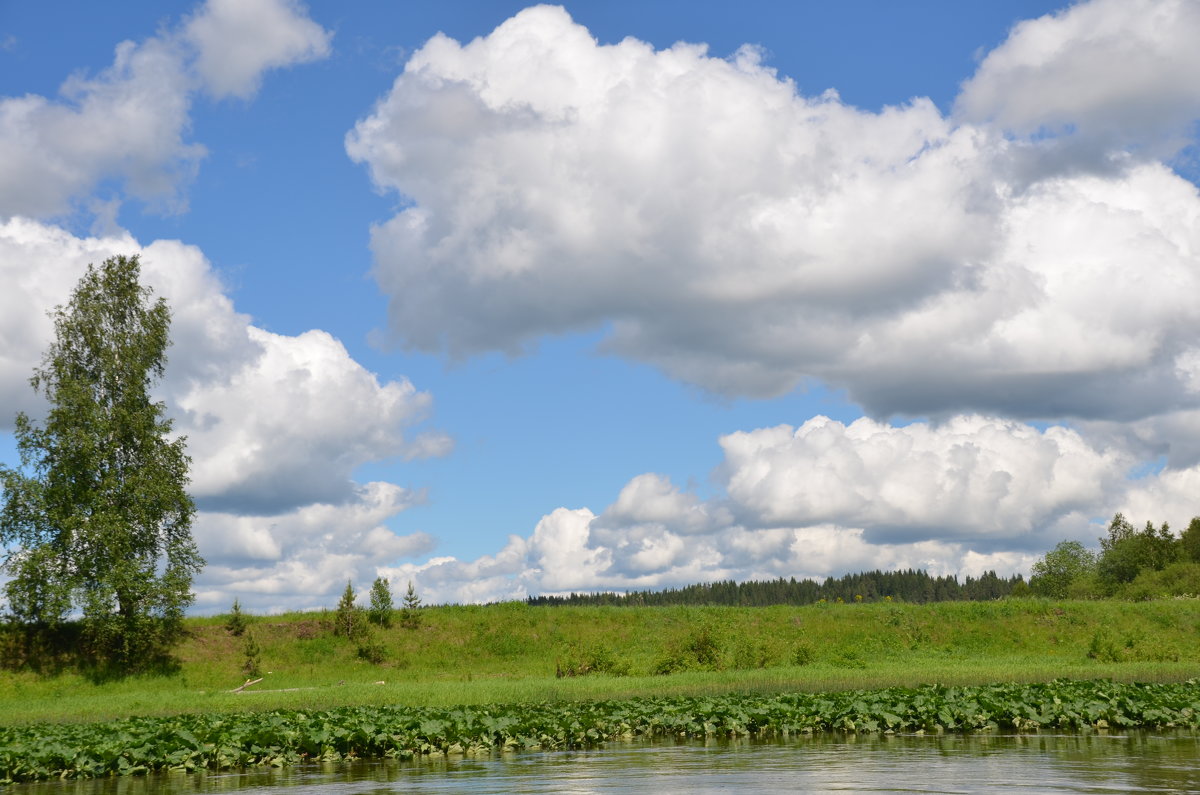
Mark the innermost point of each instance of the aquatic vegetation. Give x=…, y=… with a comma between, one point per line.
x=220, y=741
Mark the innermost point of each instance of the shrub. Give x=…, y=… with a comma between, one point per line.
x=803, y=653
x=747, y=655
x=699, y=651
x=849, y=658
x=371, y=648
x=582, y=661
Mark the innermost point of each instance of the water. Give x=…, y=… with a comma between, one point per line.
x=1088, y=763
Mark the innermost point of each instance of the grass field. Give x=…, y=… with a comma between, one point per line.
x=512, y=652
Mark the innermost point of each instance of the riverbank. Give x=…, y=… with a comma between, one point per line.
x=510, y=653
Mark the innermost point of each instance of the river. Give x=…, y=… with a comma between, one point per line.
x=980, y=763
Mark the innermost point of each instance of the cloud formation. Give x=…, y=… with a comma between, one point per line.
x=237, y=41
x=1110, y=74
x=744, y=237
x=129, y=122
x=303, y=557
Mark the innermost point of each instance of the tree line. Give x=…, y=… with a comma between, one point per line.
x=909, y=585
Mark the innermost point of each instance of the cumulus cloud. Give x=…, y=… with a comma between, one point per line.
x=129, y=122
x=276, y=424
x=742, y=236
x=304, y=557
x=237, y=41
x=971, y=479
x=1108, y=73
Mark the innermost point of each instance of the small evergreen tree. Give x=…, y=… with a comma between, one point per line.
x=381, y=603
x=347, y=622
x=252, y=665
x=236, y=623
x=410, y=615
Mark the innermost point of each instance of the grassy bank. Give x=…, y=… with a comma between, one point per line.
x=512, y=653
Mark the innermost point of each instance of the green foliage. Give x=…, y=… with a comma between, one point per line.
x=97, y=518
x=252, y=663
x=410, y=613
x=370, y=648
x=1053, y=574
x=700, y=650
x=746, y=653
x=803, y=653
x=1126, y=552
x=580, y=660
x=135, y=746
x=236, y=623
x=380, y=613
x=1107, y=646
x=1190, y=540
x=348, y=620
x=1177, y=579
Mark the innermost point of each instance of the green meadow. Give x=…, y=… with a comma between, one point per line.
x=513, y=652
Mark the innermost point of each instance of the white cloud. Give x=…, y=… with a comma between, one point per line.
x=971, y=479
x=304, y=557
x=129, y=122
x=743, y=237
x=276, y=424
x=291, y=425
x=1114, y=73
x=1169, y=496
x=239, y=40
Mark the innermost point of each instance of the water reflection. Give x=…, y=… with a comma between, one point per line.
x=1091, y=763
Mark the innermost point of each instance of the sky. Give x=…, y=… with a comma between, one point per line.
x=507, y=300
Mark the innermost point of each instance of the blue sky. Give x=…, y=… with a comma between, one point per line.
x=615, y=269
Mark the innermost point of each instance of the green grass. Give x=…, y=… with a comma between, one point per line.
x=510, y=652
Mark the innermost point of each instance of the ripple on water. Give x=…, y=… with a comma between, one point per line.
x=983, y=763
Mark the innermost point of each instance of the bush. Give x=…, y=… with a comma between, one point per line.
x=803, y=653
x=582, y=661
x=747, y=655
x=371, y=648
x=1177, y=579
x=699, y=651
x=849, y=658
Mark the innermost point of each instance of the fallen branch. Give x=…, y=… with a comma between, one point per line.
x=294, y=689
x=247, y=684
